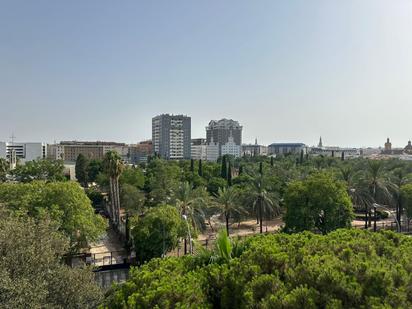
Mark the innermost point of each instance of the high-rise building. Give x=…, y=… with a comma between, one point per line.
x=221, y=130
x=171, y=136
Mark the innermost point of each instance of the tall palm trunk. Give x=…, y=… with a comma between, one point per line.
x=117, y=194
x=112, y=201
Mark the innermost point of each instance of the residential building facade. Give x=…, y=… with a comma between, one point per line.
x=171, y=136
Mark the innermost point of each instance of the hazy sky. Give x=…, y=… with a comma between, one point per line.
x=286, y=70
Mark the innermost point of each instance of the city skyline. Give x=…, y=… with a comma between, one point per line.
x=287, y=71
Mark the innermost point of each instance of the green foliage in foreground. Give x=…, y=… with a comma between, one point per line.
x=32, y=274
x=64, y=202
x=343, y=269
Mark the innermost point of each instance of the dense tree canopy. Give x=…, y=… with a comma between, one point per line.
x=64, y=202
x=157, y=232
x=317, y=203
x=31, y=272
x=343, y=269
x=48, y=170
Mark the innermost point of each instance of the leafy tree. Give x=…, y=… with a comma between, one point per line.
x=114, y=167
x=94, y=168
x=48, y=170
x=131, y=198
x=162, y=181
x=64, y=202
x=132, y=176
x=318, y=202
x=215, y=184
x=4, y=169
x=31, y=272
x=81, y=169
x=157, y=232
x=227, y=200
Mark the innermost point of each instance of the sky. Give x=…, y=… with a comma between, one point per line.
x=288, y=71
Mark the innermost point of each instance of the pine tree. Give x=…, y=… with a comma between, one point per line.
x=342, y=157
x=240, y=170
x=192, y=165
x=301, y=156
x=229, y=175
x=272, y=161
x=200, y=171
x=333, y=153
x=223, y=171
x=261, y=168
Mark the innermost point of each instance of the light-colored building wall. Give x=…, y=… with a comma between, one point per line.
x=212, y=152
x=199, y=152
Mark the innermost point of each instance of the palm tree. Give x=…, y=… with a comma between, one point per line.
x=228, y=204
x=399, y=177
x=262, y=201
x=357, y=190
x=113, y=166
x=190, y=203
x=378, y=184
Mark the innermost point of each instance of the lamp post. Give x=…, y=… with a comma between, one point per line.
x=188, y=232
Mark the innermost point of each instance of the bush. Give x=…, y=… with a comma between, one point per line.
x=343, y=269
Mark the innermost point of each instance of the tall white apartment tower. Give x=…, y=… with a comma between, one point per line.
x=171, y=136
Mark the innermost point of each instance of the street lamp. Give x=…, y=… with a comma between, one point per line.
x=188, y=232
x=375, y=206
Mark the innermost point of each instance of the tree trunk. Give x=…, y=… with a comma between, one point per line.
x=227, y=223
x=260, y=217
x=112, y=201
x=117, y=199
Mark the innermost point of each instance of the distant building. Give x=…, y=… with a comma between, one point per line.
x=23, y=152
x=254, y=149
x=220, y=131
x=230, y=148
x=335, y=152
x=408, y=148
x=171, y=136
x=212, y=151
x=199, y=149
x=70, y=150
x=388, y=147
x=286, y=148
x=139, y=153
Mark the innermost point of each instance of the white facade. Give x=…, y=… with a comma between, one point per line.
x=212, y=152
x=23, y=151
x=231, y=148
x=199, y=152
